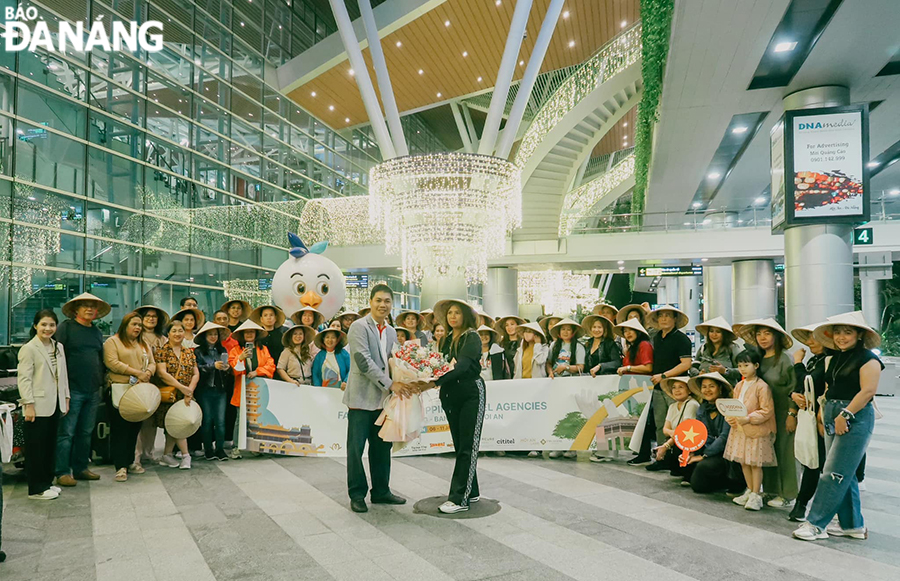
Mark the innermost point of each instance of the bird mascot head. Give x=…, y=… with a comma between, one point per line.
x=308, y=279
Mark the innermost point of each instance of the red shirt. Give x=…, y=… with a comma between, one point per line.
x=644, y=355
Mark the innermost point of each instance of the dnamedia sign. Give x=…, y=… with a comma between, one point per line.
x=818, y=166
x=25, y=31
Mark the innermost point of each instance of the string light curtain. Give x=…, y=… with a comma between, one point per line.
x=446, y=214
x=560, y=292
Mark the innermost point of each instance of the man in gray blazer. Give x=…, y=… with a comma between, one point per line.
x=369, y=384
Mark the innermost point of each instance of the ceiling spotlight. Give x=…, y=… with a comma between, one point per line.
x=446, y=23
x=571, y=43
x=566, y=14
x=465, y=53
x=313, y=94
x=621, y=262
x=352, y=72
x=740, y=129
x=498, y=2
x=399, y=44
x=687, y=223
x=785, y=47
x=697, y=204
x=625, y=124
x=479, y=79
x=331, y=107
x=704, y=259
x=347, y=120
x=714, y=175
x=521, y=63
x=760, y=200
x=439, y=95
x=872, y=164
x=895, y=192
x=624, y=23
x=421, y=72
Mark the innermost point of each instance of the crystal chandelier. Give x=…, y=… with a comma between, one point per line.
x=446, y=213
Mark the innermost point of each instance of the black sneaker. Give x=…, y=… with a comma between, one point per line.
x=210, y=457
x=2, y=556
x=656, y=467
x=798, y=513
x=221, y=456
x=638, y=461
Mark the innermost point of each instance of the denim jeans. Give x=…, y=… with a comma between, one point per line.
x=212, y=402
x=838, y=489
x=73, y=439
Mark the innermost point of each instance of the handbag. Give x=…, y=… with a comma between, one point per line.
x=806, y=439
x=167, y=394
x=6, y=431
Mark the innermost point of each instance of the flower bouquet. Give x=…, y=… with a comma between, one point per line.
x=402, y=419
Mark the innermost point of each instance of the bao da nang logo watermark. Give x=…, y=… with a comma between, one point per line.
x=24, y=31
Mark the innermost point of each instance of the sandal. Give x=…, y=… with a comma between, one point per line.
x=121, y=475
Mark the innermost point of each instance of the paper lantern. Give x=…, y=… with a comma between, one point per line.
x=140, y=402
x=183, y=421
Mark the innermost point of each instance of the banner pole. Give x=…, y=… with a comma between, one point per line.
x=242, y=427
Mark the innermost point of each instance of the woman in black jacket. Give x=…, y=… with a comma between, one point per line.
x=602, y=356
x=707, y=470
x=212, y=391
x=508, y=328
x=462, y=397
x=493, y=359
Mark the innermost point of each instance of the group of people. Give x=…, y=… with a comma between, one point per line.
x=188, y=358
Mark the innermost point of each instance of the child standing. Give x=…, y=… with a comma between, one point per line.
x=751, y=442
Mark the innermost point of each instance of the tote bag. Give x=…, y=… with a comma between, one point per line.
x=6, y=431
x=806, y=440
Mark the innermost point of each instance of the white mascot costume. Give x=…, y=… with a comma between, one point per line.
x=308, y=279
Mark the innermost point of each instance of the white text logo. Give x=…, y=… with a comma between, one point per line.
x=25, y=32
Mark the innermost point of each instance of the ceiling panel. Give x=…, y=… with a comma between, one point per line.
x=477, y=27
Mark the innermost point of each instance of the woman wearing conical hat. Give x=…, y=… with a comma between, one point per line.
x=719, y=350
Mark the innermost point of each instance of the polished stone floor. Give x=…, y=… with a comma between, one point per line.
x=289, y=519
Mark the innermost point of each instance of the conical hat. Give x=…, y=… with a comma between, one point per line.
x=718, y=323
x=256, y=314
x=588, y=322
x=163, y=316
x=805, y=333
x=441, y=308
x=183, y=420
x=210, y=326
x=245, y=306
x=631, y=324
x=485, y=329
x=139, y=402
x=500, y=325
x=318, y=318
x=199, y=317
x=353, y=314
x=419, y=320
x=536, y=327
x=666, y=384
x=681, y=319
x=554, y=330
x=249, y=325
x=364, y=311
x=726, y=391
x=599, y=309
x=309, y=334
x=622, y=315
x=824, y=333
x=103, y=307
x=320, y=338
x=747, y=331
x=546, y=321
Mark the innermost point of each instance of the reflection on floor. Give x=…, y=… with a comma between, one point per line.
x=288, y=519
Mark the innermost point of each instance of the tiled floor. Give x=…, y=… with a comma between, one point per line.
x=288, y=518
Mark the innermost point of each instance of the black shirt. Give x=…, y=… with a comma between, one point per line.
x=607, y=356
x=273, y=343
x=669, y=350
x=84, y=352
x=814, y=368
x=842, y=375
x=468, y=361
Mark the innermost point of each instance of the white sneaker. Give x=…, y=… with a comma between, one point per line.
x=197, y=453
x=779, y=502
x=755, y=502
x=556, y=454
x=742, y=499
x=835, y=530
x=570, y=454
x=474, y=499
x=56, y=489
x=452, y=508
x=169, y=461
x=185, y=462
x=534, y=454
x=48, y=494
x=234, y=454
x=809, y=532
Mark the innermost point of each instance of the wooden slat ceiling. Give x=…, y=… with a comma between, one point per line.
x=478, y=27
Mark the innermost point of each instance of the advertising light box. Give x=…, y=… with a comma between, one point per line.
x=821, y=177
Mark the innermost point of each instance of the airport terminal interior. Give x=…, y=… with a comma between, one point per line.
x=449, y=289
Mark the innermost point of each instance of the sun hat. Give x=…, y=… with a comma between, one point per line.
x=199, y=317
x=666, y=384
x=441, y=308
x=623, y=313
x=71, y=305
x=726, y=389
x=546, y=321
x=320, y=338
x=139, y=402
x=256, y=315
x=599, y=309
x=309, y=335
x=630, y=324
x=318, y=318
x=249, y=325
x=588, y=322
x=419, y=320
x=719, y=323
x=681, y=319
x=353, y=314
x=163, y=316
x=245, y=307
x=485, y=329
x=824, y=333
x=804, y=333
x=535, y=327
x=210, y=326
x=500, y=324
x=554, y=330
x=747, y=331
x=183, y=420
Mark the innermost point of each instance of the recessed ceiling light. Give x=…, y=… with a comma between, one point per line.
x=697, y=204
x=760, y=200
x=621, y=262
x=740, y=129
x=421, y=72
x=895, y=192
x=785, y=47
x=479, y=79
x=399, y=44
x=331, y=107
x=624, y=23
x=498, y=2
x=714, y=175
x=571, y=43
x=446, y=23
x=687, y=223
x=352, y=72
x=704, y=259
x=566, y=14
x=347, y=120
x=621, y=268
x=439, y=95
x=465, y=53
x=521, y=63
x=625, y=124
x=872, y=164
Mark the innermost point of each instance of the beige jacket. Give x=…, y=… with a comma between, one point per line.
x=37, y=383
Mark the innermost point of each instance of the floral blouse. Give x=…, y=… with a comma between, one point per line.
x=182, y=370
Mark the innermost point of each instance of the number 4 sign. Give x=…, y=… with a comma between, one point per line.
x=863, y=237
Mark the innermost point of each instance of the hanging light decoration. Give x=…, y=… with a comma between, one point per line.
x=446, y=213
x=560, y=292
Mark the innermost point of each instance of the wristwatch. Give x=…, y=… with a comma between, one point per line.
x=664, y=376
x=847, y=415
x=792, y=413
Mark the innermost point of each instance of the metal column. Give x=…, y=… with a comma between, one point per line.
x=717, y=292
x=754, y=290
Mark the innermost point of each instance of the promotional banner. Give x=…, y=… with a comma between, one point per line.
x=824, y=165
x=520, y=414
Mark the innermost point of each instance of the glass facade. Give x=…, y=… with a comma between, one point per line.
x=147, y=177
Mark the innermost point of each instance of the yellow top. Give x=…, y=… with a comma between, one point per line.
x=527, y=355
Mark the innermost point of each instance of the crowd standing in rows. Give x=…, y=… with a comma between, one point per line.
x=751, y=457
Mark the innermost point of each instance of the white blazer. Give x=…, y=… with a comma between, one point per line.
x=37, y=382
